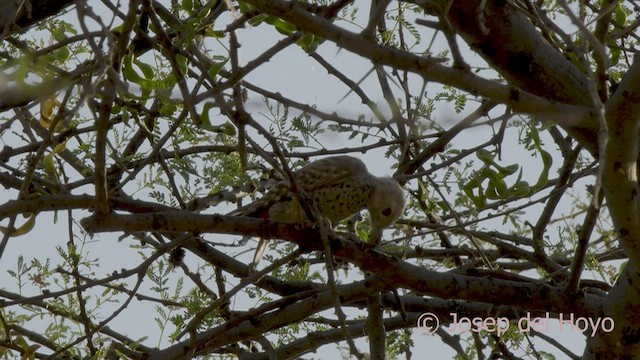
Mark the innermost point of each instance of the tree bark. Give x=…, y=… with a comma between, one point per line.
x=17, y=15
x=508, y=41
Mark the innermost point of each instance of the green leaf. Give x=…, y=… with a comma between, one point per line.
x=227, y=128
x=484, y=155
x=487, y=158
x=219, y=34
x=131, y=74
x=182, y=63
x=309, y=42
x=521, y=188
x=187, y=5
x=284, y=27
x=547, y=161
x=62, y=54
x=497, y=188
x=216, y=67
x=125, y=117
x=128, y=71
x=168, y=108
x=257, y=20
x=620, y=15
x=147, y=70
x=479, y=200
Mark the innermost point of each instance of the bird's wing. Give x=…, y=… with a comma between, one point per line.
x=315, y=175
x=258, y=207
x=328, y=171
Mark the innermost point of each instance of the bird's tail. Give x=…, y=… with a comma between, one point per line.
x=262, y=247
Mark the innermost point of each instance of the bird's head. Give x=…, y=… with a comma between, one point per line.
x=385, y=206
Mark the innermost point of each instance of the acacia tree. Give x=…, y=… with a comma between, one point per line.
x=140, y=124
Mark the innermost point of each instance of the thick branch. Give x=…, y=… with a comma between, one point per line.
x=619, y=173
x=506, y=39
x=392, y=270
x=623, y=305
x=247, y=327
x=620, y=185
x=19, y=14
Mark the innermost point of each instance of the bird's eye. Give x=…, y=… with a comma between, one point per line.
x=386, y=211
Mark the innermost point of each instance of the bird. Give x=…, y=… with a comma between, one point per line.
x=340, y=186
